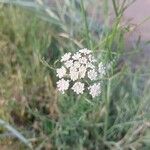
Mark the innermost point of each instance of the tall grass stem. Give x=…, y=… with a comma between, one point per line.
x=107, y=105
x=87, y=32
x=115, y=8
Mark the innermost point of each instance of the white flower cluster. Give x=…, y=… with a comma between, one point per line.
x=78, y=71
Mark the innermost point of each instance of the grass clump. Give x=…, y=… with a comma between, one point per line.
x=31, y=42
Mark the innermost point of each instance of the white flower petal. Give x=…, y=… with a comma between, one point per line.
x=66, y=57
x=90, y=65
x=61, y=72
x=91, y=58
x=82, y=71
x=62, y=85
x=83, y=60
x=92, y=74
x=78, y=88
x=76, y=64
x=85, y=51
x=74, y=74
x=101, y=69
x=76, y=56
x=95, y=89
x=68, y=63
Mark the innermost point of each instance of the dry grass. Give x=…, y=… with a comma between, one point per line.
x=29, y=101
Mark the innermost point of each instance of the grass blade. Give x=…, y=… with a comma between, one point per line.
x=15, y=133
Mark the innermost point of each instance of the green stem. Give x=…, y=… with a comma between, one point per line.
x=107, y=104
x=115, y=7
x=88, y=39
x=106, y=14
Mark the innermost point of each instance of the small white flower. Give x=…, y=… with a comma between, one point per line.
x=85, y=51
x=74, y=74
x=66, y=57
x=78, y=88
x=68, y=63
x=91, y=58
x=61, y=72
x=76, y=64
x=62, y=85
x=95, y=89
x=83, y=60
x=92, y=74
x=82, y=71
x=90, y=65
x=76, y=56
x=101, y=69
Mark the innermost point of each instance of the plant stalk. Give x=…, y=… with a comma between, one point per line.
x=107, y=104
x=115, y=8
x=88, y=39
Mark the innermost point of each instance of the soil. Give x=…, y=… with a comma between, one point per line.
x=138, y=15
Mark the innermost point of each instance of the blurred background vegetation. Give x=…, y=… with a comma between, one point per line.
x=33, y=36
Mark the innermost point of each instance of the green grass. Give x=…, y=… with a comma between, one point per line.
x=31, y=42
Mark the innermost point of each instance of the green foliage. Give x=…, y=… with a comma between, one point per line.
x=32, y=40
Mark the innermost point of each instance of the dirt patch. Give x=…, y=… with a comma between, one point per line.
x=138, y=15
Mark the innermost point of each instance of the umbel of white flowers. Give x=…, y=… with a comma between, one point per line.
x=80, y=72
